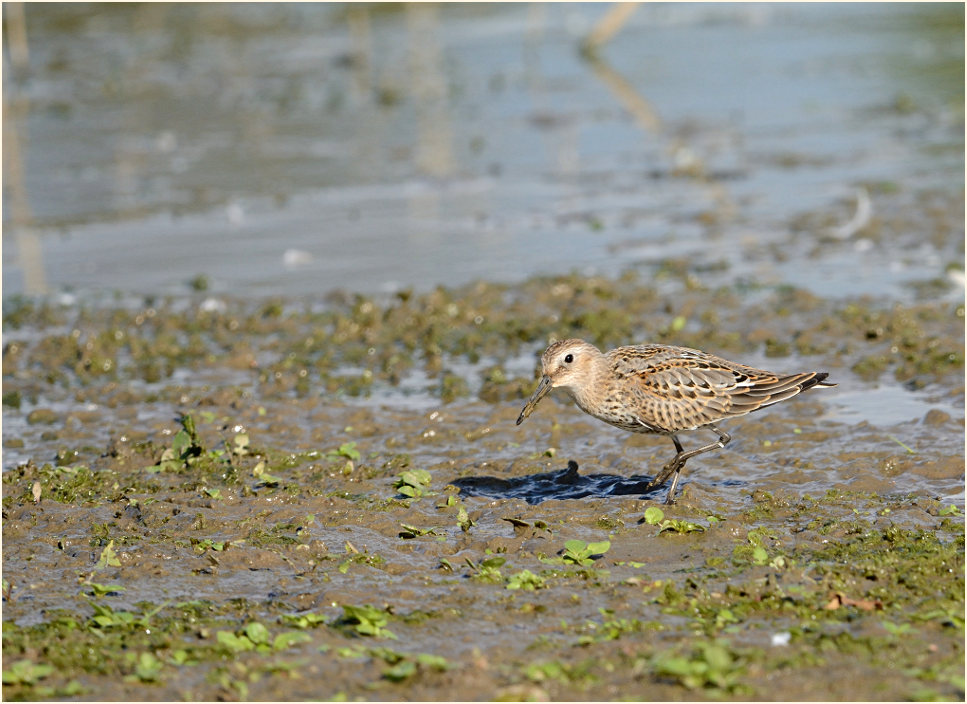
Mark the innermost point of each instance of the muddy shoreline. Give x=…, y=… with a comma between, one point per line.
x=221, y=499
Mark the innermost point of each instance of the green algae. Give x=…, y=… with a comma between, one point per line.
x=263, y=476
x=387, y=338
x=187, y=634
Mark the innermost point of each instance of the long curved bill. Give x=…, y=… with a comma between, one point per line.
x=540, y=393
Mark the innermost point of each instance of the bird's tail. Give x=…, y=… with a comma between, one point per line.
x=767, y=392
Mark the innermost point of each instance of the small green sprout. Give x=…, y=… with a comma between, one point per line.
x=463, y=519
x=710, y=666
x=26, y=672
x=240, y=444
x=365, y=620
x=185, y=447
x=104, y=589
x=410, y=532
x=263, y=476
x=108, y=557
x=580, y=553
x=208, y=544
x=347, y=450
x=680, y=526
x=759, y=555
x=414, y=483
x=147, y=667
x=306, y=620
x=526, y=580
x=407, y=666
x=910, y=450
x=654, y=516
x=255, y=636
x=451, y=500
x=105, y=617
x=487, y=570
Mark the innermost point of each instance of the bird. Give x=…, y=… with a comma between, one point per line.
x=664, y=390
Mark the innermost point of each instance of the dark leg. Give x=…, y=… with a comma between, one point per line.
x=670, y=496
x=678, y=462
x=667, y=470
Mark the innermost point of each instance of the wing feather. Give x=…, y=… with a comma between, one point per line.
x=678, y=388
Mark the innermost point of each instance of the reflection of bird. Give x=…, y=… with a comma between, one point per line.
x=664, y=390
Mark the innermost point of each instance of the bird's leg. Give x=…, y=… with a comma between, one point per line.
x=678, y=462
x=667, y=470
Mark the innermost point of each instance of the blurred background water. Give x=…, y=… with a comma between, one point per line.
x=294, y=149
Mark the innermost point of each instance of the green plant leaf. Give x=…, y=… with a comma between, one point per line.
x=108, y=557
x=437, y=662
x=257, y=632
x=414, y=483
x=400, y=671
x=240, y=444
x=759, y=555
x=234, y=642
x=525, y=579
x=263, y=476
x=148, y=667
x=463, y=519
x=102, y=589
x=575, y=546
x=348, y=450
x=675, y=525
x=290, y=638
x=366, y=620
x=26, y=672
x=306, y=620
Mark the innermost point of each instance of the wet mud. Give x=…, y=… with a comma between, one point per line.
x=206, y=498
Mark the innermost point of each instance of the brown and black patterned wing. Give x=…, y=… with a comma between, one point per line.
x=678, y=388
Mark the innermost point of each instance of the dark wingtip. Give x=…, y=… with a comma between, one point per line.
x=820, y=380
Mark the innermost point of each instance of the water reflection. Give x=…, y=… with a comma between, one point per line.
x=20, y=218
x=415, y=144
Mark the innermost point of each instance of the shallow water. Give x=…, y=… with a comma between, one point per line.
x=287, y=151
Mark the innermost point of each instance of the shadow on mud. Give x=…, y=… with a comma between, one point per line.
x=561, y=484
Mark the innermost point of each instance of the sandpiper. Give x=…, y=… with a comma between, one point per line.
x=663, y=389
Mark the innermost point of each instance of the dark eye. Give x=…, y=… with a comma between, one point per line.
x=568, y=358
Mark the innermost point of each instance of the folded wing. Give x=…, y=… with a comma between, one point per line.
x=682, y=389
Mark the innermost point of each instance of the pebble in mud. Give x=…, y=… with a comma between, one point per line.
x=936, y=417
x=44, y=416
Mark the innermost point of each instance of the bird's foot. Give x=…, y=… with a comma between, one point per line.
x=663, y=475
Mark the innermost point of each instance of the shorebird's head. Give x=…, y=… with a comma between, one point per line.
x=567, y=364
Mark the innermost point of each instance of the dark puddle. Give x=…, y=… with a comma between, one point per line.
x=565, y=483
